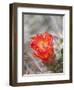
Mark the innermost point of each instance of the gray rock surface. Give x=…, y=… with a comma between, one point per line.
x=35, y=24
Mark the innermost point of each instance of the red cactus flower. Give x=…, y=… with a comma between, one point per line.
x=42, y=45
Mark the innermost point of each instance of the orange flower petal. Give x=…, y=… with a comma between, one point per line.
x=42, y=44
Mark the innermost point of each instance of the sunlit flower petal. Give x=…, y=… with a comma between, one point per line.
x=42, y=45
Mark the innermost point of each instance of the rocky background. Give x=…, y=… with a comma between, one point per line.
x=34, y=24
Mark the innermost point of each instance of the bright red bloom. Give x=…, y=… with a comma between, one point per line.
x=42, y=45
